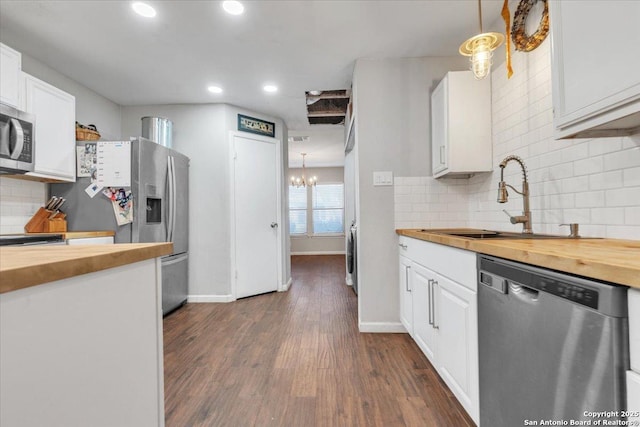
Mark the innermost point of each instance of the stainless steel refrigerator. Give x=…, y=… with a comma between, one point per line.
x=160, y=188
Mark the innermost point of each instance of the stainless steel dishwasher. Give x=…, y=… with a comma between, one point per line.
x=552, y=346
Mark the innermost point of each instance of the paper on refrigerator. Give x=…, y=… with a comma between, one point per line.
x=114, y=163
x=122, y=203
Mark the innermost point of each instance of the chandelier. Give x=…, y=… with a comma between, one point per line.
x=301, y=181
x=480, y=48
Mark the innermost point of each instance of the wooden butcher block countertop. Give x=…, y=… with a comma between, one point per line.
x=21, y=267
x=611, y=260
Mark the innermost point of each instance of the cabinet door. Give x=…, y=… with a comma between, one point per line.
x=595, y=78
x=55, y=113
x=406, y=296
x=456, y=316
x=425, y=334
x=439, y=125
x=10, y=64
x=633, y=394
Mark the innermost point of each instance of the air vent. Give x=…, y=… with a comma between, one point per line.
x=302, y=138
x=327, y=106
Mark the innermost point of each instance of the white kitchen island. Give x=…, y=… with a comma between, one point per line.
x=85, y=348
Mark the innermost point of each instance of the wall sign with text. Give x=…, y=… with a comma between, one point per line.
x=257, y=126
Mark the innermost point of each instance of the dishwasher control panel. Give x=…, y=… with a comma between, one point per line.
x=576, y=293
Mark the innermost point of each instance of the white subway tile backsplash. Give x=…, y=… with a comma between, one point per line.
x=19, y=200
x=588, y=166
x=613, y=216
x=622, y=159
x=590, y=199
x=632, y=215
x=603, y=181
x=604, y=145
x=631, y=177
x=570, y=185
x=623, y=232
x=623, y=197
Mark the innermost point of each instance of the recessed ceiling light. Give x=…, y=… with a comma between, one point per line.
x=214, y=89
x=233, y=7
x=143, y=9
x=270, y=88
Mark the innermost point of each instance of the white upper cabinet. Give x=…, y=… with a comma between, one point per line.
x=55, y=137
x=461, y=125
x=10, y=66
x=595, y=67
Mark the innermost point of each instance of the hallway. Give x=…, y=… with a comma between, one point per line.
x=297, y=359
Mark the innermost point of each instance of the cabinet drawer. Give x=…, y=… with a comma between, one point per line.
x=456, y=264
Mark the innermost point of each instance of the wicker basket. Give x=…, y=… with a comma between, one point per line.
x=86, y=135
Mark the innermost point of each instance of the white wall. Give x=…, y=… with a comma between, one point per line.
x=20, y=199
x=201, y=131
x=595, y=183
x=317, y=245
x=392, y=108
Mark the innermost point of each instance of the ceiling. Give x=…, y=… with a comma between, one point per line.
x=190, y=45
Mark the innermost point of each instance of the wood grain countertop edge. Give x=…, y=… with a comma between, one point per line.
x=611, y=260
x=82, y=234
x=69, y=261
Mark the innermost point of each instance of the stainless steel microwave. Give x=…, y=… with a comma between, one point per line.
x=17, y=140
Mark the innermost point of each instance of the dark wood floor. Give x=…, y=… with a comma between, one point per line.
x=297, y=359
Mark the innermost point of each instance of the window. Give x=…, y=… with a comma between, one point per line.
x=297, y=210
x=326, y=213
x=328, y=208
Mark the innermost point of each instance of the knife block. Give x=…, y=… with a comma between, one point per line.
x=40, y=222
x=55, y=225
x=36, y=223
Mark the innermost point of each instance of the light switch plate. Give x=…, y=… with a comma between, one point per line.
x=383, y=178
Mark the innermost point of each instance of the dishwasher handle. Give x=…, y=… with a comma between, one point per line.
x=523, y=292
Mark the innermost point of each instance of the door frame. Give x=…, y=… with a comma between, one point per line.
x=232, y=206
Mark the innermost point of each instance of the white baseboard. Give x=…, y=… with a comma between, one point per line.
x=285, y=287
x=210, y=298
x=319, y=253
x=382, y=327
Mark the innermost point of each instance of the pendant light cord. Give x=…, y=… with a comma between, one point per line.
x=480, y=14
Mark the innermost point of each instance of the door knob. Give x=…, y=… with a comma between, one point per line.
x=274, y=224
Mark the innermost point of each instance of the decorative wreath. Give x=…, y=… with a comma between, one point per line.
x=521, y=40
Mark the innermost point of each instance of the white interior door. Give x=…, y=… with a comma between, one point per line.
x=255, y=213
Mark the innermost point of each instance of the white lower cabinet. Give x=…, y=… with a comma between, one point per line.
x=406, y=298
x=443, y=298
x=423, y=328
x=457, y=322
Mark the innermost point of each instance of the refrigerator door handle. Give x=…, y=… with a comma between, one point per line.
x=174, y=197
x=170, y=200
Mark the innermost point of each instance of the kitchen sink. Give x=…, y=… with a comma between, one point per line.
x=489, y=234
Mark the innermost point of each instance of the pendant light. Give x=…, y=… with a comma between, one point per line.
x=480, y=48
x=301, y=181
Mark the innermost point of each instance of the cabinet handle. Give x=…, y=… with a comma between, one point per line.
x=442, y=154
x=402, y=246
x=406, y=278
x=433, y=302
x=429, y=287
